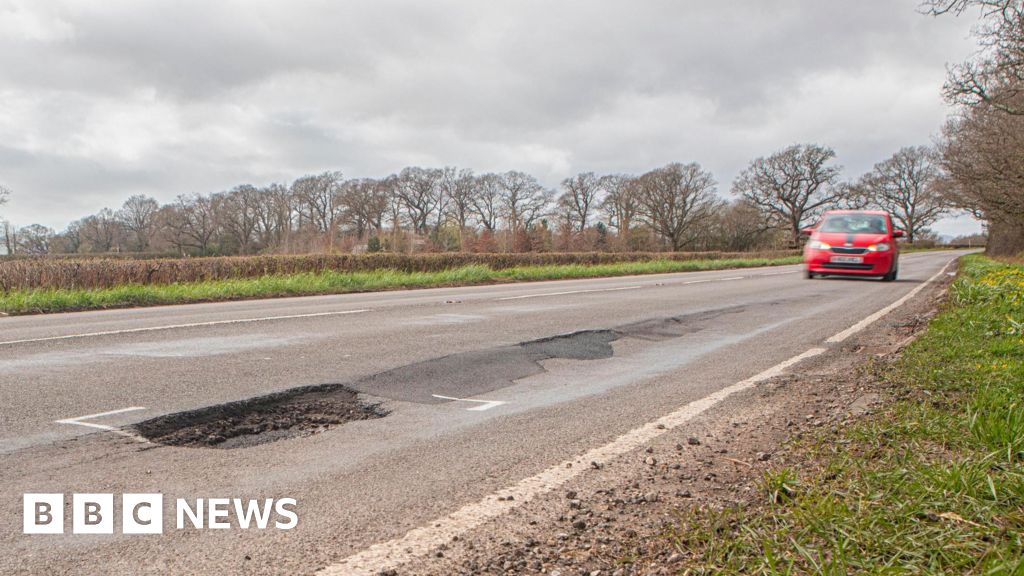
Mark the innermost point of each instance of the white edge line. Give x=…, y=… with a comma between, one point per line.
x=177, y=326
x=421, y=541
x=874, y=317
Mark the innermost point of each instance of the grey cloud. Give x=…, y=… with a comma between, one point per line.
x=250, y=91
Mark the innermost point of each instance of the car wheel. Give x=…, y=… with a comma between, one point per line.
x=810, y=275
x=891, y=275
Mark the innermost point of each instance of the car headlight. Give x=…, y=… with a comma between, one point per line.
x=819, y=245
x=880, y=247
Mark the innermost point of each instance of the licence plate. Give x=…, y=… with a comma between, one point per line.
x=847, y=259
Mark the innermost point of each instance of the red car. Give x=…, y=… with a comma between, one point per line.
x=854, y=243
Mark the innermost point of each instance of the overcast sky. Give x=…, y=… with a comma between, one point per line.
x=101, y=100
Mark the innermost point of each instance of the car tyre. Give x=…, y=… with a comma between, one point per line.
x=891, y=275
x=810, y=275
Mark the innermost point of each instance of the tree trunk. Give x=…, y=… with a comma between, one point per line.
x=1005, y=237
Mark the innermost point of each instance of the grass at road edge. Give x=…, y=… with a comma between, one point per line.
x=934, y=484
x=330, y=282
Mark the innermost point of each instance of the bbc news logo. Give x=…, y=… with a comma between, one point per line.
x=144, y=513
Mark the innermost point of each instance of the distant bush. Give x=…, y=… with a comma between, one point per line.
x=42, y=273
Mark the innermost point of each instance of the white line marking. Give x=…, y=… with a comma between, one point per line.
x=176, y=326
x=570, y=292
x=485, y=404
x=78, y=421
x=872, y=318
x=421, y=541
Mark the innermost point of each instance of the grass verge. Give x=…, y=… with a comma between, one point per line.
x=331, y=282
x=934, y=485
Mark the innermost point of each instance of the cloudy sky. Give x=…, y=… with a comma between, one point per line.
x=101, y=100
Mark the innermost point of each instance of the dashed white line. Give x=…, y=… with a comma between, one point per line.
x=177, y=326
x=570, y=292
x=79, y=421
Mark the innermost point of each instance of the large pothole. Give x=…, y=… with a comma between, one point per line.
x=296, y=412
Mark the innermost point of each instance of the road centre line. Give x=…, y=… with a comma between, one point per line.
x=177, y=326
x=570, y=292
x=421, y=541
x=634, y=287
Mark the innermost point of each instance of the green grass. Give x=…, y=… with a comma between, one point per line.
x=935, y=485
x=329, y=282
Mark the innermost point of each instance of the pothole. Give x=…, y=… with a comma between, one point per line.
x=296, y=412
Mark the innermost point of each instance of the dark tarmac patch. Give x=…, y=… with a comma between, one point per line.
x=311, y=409
x=471, y=374
x=260, y=420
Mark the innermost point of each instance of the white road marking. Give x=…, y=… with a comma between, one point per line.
x=421, y=541
x=874, y=317
x=484, y=404
x=570, y=292
x=176, y=326
x=78, y=421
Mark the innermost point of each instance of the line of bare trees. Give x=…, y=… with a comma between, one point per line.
x=674, y=207
x=982, y=152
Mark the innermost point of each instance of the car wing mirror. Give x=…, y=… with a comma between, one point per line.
x=897, y=234
x=807, y=231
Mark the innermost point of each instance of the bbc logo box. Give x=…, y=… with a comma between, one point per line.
x=93, y=513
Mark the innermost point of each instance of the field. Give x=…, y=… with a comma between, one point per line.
x=45, y=285
x=932, y=485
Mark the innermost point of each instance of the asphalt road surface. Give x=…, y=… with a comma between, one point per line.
x=478, y=396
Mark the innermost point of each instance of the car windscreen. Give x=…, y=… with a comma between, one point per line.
x=854, y=224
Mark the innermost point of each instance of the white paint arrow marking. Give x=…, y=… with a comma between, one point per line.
x=484, y=404
x=78, y=421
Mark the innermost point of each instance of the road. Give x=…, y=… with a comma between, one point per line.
x=649, y=345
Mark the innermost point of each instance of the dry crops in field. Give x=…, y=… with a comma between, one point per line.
x=44, y=273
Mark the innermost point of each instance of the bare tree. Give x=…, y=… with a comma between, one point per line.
x=10, y=238
x=906, y=186
x=981, y=154
x=200, y=221
x=621, y=201
x=675, y=199
x=995, y=77
x=273, y=215
x=5, y=194
x=138, y=217
x=365, y=202
x=422, y=195
x=35, y=239
x=486, y=201
x=580, y=198
x=523, y=199
x=318, y=202
x=741, y=226
x=459, y=187
x=792, y=186
x=101, y=232
x=238, y=213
